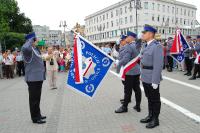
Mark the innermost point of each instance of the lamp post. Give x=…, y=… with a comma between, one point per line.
x=137, y=6
x=64, y=25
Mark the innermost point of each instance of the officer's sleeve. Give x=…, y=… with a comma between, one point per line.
x=135, y=51
x=126, y=58
x=27, y=48
x=157, y=64
x=197, y=48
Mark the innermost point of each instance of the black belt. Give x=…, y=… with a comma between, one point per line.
x=147, y=67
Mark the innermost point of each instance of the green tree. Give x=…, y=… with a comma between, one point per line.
x=13, y=24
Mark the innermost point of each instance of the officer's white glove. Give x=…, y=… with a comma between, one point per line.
x=190, y=48
x=155, y=86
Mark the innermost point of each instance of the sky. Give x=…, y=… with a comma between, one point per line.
x=51, y=12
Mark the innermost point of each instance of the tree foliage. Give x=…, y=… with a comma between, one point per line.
x=13, y=24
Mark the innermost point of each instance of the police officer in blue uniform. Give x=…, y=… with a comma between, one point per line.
x=34, y=76
x=151, y=69
x=188, y=57
x=132, y=78
x=196, y=48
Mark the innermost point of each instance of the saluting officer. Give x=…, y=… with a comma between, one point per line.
x=34, y=76
x=151, y=69
x=132, y=77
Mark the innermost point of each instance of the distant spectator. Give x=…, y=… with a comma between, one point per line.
x=107, y=50
x=8, y=61
x=20, y=64
x=1, y=65
x=52, y=67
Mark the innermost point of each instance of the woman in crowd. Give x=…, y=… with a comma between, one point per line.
x=51, y=67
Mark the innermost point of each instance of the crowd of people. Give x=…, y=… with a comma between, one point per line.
x=188, y=64
x=12, y=63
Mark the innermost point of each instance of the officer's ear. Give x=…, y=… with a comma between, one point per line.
x=34, y=39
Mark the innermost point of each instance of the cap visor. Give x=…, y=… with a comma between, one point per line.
x=144, y=31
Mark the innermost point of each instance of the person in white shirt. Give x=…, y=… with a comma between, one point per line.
x=8, y=61
x=20, y=64
x=52, y=67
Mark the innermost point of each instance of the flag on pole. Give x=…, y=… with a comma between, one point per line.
x=78, y=60
x=88, y=67
x=128, y=67
x=178, y=47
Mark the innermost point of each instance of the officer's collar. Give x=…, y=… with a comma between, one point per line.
x=132, y=42
x=149, y=42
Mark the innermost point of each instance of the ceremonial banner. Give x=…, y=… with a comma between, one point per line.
x=88, y=67
x=128, y=67
x=178, y=47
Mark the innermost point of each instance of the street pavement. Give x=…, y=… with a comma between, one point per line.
x=70, y=112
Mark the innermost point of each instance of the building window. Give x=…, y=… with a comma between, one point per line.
x=111, y=14
x=131, y=19
x=117, y=12
x=181, y=21
x=184, y=12
x=181, y=11
x=176, y=20
x=117, y=22
x=121, y=21
x=145, y=5
x=158, y=7
x=158, y=19
x=121, y=11
x=184, y=22
x=168, y=9
x=125, y=9
x=176, y=10
x=153, y=17
x=173, y=10
x=188, y=13
x=106, y=15
x=153, y=6
x=126, y=20
x=107, y=25
x=163, y=19
x=103, y=17
x=112, y=24
x=163, y=8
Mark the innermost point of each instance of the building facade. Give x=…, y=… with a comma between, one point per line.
x=166, y=15
x=55, y=37
x=51, y=37
x=42, y=32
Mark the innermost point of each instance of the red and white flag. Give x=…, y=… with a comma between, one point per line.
x=177, y=45
x=128, y=67
x=78, y=60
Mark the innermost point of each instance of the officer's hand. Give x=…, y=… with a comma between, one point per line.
x=155, y=86
x=190, y=48
x=116, y=62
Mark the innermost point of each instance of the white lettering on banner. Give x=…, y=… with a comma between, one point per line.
x=93, y=56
